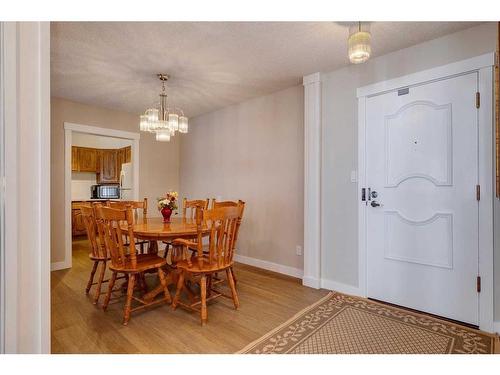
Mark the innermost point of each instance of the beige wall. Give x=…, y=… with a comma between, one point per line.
x=339, y=255
x=159, y=162
x=253, y=151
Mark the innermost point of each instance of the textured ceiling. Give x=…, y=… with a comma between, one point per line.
x=212, y=64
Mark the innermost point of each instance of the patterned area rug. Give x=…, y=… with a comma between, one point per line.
x=339, y=323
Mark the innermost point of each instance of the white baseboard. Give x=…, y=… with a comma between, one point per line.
x=270, y=266
x=56, y=266
x=311, y=282
x=496, y=327
x=341, y=287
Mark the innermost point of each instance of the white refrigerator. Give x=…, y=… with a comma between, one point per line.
x=126, y=182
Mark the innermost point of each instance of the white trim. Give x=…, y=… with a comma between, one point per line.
x=483, y=65
x=422, y=77
x=361, y=207
x=9, y=71
x=69, y=128
x=312, y=180
x=27, y=118
x=44, y=178
x=270, y=266
x=56, y=266
x=311, y=78
x=341, y=287
x=101, y=131
x=311, y=282
x=486, y=171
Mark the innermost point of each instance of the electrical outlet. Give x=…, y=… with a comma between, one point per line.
x=298, y=250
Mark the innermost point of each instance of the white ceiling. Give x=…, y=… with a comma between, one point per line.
x=212, y=64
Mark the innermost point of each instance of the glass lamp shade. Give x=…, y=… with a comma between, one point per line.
x=183, y=124
x=152, y=114
x=173, y=120
x=163, y=135
x=162, y=125
x=359, y=47
x=143, y=124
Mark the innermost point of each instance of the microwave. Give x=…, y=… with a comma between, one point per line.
x=105, y=191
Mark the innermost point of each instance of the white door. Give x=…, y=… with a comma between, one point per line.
x=422, y=165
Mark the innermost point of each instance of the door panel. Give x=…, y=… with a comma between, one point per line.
x=421, y=159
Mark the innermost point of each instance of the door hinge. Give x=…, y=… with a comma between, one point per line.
x=478, y=99
x=478, y=284
x=478, y=192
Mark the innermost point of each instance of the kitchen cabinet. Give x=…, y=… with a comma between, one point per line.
x=120, y=159
x=74, y=159
x=87, y=159
x=106, y=163
x=128, y=154
x=108, y=167
x=77, y=225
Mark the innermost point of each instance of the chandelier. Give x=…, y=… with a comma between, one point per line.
x=162, y=120
x=359, y=45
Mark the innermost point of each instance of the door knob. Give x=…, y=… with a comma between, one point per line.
x=375, y=204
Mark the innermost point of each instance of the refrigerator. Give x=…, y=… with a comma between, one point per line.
x=126, y=182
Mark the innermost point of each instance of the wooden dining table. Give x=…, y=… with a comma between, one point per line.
x=154, y=229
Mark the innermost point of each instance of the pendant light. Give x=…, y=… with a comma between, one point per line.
x=359, y=45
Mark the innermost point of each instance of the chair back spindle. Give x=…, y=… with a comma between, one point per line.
x=193, y=206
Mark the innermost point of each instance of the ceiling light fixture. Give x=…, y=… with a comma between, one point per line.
x=359, y=45
x=163, y=121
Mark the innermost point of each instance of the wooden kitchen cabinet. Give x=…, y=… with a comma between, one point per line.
x=106, y=163
x=87, y=159
x=77, y=225
x=74, y=159
x=108, y=167
x=120, y=159
x=128, y=154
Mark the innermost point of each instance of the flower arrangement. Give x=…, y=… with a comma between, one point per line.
x=168, y=201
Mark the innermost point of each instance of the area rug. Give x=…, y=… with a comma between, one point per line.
x=339, y=323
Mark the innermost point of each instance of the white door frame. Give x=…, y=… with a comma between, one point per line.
x=69, y=128
x=483, y=65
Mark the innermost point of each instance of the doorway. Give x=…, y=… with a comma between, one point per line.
x=70, y=129
x=425, y=177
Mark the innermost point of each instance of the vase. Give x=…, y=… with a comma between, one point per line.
x=166, y=212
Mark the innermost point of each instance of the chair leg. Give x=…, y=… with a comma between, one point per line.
x=164, y=284
x=230, y=279
x=91, y=279
x=142, y=247
x=165, y=254
x=209, y=285
x=128, y=303
x=203, y=289
x=110, y=289
x=180, y=286
x=99, y=283
x=234, y=277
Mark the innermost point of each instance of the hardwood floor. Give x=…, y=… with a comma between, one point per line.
x=267, y=299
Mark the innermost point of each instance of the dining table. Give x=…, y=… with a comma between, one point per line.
x=154, y=229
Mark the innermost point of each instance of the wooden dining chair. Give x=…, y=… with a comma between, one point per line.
x=216, y=204
x=189, y=208
x=131, y=264
x=97, y=251
x=223, y=226
x=136, y=206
